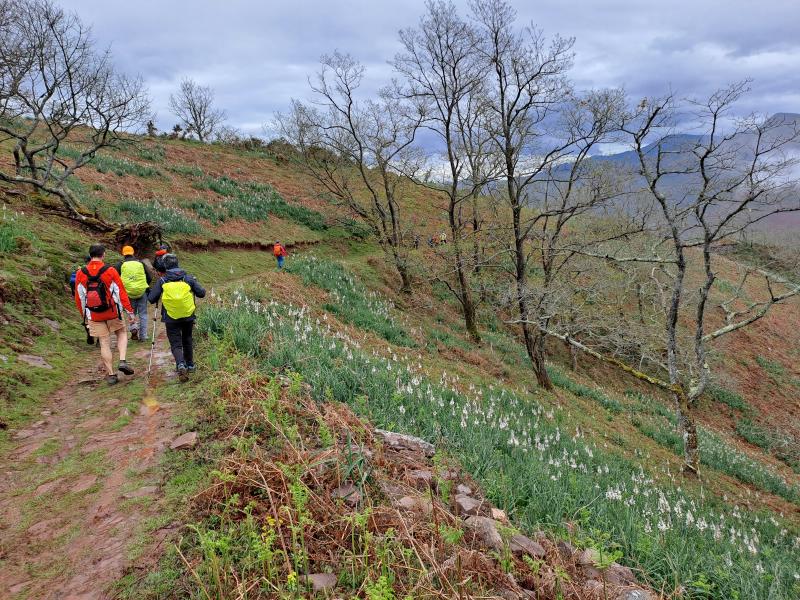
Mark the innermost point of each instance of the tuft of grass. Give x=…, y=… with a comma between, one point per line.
x=561, y=380
x=775, y=369
x=13, y=234
x=120, y=166
x=728, y=397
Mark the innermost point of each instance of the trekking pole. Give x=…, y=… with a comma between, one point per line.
x=153, y=343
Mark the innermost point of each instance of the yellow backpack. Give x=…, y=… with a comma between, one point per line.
x=133, y=278
x=178, y=299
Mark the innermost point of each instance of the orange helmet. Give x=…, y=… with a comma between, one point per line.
x=127, y=251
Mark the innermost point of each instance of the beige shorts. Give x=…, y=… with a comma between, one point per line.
x=101, y=329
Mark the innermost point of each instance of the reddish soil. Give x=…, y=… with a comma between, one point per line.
x=77, y=484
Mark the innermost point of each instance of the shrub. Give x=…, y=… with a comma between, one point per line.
x=13, y=235
x=561, y=380
x=729, y=397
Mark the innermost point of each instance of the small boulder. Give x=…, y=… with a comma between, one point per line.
x=320, y=582
x=414, y=504
x=485, y=530
x=401, y=441
x=589, y=557
x=522, y=545
x=142, y=492
x=347, y=492
x=467, y=505
x=187, y=440
x=620, y=575
x=54, y=325
x=463, y=489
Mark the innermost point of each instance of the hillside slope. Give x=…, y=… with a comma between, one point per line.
x=594, y=464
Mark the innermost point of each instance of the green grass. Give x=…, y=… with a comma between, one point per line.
x=120, y=166
x=252, y=202
x=526, y=459
x=172, y=220
x=13, y=234
x=770, y=366
x=785, y=446
x=186, y=170
x=349, y=299
x=561, y=380
x=728, y=397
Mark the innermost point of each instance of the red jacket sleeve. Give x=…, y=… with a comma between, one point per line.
x=123, y=295
x=80, y=279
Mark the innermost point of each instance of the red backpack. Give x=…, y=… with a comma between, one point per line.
x=97, y=297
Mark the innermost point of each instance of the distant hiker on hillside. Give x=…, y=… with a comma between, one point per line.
x=136, y=279
x=158, y=261
x=177, y=290
x=100, y=297
x=416, y=242
x=280, y=253
x=443, y=238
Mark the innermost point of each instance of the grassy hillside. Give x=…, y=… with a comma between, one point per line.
x=596, y=462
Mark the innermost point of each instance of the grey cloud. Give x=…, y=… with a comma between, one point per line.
x=258, y=55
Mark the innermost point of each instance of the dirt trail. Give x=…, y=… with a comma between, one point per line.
x=78, y=482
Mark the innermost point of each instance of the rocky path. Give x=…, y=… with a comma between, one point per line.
x=77, y=484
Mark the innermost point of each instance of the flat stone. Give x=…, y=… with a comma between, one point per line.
x=522, y=545
x=590, y=556
x=54, y=325
x=321, y=582
x=39, y=424
x=46, y=413
x=92, y=423
x=187, y=440
x=420, y=478
x=467, y=505
x=485, y=530
x=463, y=489
x=34, y=361
x=142, y=492
x=84, y=483
x=347, y=492
x=23, y=434
x=401, y=441
x=636, y=595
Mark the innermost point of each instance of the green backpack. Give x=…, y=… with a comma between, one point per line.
x=133, y=278
x=178, y=299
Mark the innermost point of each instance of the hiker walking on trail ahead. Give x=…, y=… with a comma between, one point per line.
x=280, y=253
x=158, y=261
x=136, y=280
x=100, y=297
x=177, y=290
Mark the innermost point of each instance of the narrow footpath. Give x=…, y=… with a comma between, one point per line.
x=77, y=483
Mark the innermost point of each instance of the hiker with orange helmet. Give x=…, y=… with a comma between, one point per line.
x=280, y=253
x=136, y=279
x=158, y=261
x=101, y=297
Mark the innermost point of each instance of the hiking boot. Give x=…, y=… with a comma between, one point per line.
x=123, y=366
x=191, y=368
x=183, y=373
x=112, y=379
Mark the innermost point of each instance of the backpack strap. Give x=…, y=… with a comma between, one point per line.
x=102, y=270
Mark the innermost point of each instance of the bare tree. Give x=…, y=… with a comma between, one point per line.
x=526, y=85
x=705, y=190
x=194, y=106
x=55, y=87
x=361, y=153
x=443, y=73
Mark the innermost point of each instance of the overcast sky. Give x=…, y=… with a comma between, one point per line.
x=257, y=55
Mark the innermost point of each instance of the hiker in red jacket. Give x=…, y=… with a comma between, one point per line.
x=100, y=297
x=280, y=253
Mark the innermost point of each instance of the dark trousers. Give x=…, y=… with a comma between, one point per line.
x=179, y=335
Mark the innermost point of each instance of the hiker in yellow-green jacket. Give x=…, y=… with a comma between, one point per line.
x=137, y=279
x=177, y=290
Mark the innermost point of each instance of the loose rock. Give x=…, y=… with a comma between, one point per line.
x=420, y=478
x=400, y=441
x=463, y=489
x=485, y=530
x=321, y=582
x=349, y=493
x=187, y=440
x=467, y=505
x=521, y=545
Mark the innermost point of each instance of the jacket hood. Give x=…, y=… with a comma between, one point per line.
x=174, y=274
x=93, y=266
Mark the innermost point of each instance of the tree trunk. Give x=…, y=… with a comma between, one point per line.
x=467, y=302
x=573, y=354
x=691, y=452
x=405, y=278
